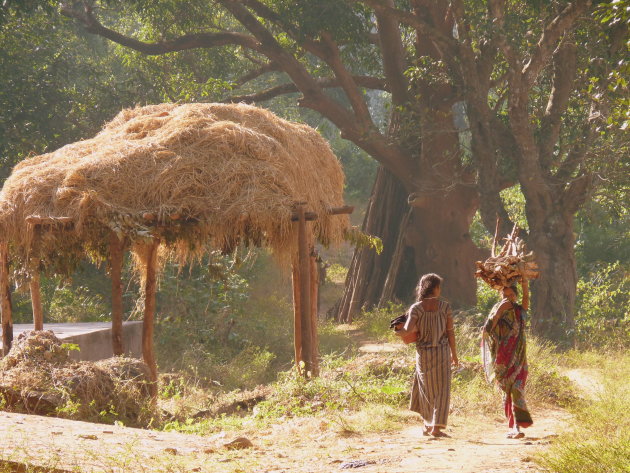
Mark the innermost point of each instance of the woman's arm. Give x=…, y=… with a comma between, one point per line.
x=525, y=287
x=450, y=333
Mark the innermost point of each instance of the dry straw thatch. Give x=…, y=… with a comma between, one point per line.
x=191, y=175
x=38, y=377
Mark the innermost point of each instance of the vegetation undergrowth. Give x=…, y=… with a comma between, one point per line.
x=599, y=441
x=355, y=386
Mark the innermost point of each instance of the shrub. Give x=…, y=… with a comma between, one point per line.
x=603, y=319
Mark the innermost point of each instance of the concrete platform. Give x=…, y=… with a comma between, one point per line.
x=94, y=338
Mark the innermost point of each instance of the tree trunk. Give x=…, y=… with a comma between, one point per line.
x=552, y=314
x=430, y=236
x=425, y=231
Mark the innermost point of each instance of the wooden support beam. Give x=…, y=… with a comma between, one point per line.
x=314, y=279
x=305, y=291
x=5, y=300
x=297, y=319
x=150, y=290
x=116, y=248
x=309, y=216
x=36, y=301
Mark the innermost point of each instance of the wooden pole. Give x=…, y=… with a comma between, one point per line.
x=314, y=315
x=5, y=302
x=305, y=291
x=116, y=263
x=36, y=301
x=150, y=289
x=297, y=318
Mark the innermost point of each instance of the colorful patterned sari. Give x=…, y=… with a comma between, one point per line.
x=505, y=362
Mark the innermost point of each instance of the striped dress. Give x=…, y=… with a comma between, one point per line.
x=431, y=385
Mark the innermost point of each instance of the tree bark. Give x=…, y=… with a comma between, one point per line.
x=555, y=290
x=431, y=236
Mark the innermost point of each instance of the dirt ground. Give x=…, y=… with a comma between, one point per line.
x=310, y=445
x=298, y=445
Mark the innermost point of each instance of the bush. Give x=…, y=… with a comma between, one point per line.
x=603, y=319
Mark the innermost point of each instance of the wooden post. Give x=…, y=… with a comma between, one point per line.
x=116, y=263
x=314, y=315
x=305, y=291
x=5, y=302
x=297, y=318
x=150, y=289
x=36, y=301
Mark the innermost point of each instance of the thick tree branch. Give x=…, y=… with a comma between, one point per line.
x=185, y=42
x=550, y=37
x=370, y=139
x=332, y=57
x=393, y=54
x=563, y=76
x=256, y=73
x=446, y=43
x=291, y=88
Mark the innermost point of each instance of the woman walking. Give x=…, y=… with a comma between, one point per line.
x=504, y=355
x=430, y=317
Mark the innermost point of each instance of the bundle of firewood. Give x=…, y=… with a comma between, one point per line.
x=510, y=265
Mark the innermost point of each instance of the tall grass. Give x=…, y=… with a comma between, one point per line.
x=600, y=439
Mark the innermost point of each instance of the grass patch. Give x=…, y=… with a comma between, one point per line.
x=600, y=439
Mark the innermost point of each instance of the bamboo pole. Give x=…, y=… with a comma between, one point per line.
x=314, y=315
x=305, y=291
x=297, y=319
x=36, y=301
x=5, y=303
x=150, y=289
x=116, y=263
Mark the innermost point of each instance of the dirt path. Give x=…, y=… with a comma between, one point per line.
x=313, y=445
x=299, y=445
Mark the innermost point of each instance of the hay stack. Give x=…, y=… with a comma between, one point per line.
x=190, y=175
x=38, y=377
x=510, y=266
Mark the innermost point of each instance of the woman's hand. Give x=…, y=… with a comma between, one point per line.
x=454, y=360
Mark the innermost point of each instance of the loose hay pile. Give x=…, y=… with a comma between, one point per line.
x=190, y=175
x=38, y=377
x=510, y=266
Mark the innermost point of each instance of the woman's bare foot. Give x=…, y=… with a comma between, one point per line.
x=438, y=433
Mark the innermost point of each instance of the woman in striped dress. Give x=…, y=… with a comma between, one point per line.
x=432, y=319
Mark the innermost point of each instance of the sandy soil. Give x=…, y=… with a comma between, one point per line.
x=296, y=445
x=313, y=445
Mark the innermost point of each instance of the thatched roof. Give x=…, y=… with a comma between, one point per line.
x=193, y=175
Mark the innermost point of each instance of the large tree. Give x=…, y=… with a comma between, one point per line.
x=513, y=67
x=319, y=46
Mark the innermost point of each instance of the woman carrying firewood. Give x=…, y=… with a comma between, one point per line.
x=504, y=355
x=432, y=320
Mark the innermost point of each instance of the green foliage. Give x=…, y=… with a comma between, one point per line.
x=603, y=299
x=375, y=322
x=67, y=85
x=514, y=202
x=207, y=327
x=362, y=240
